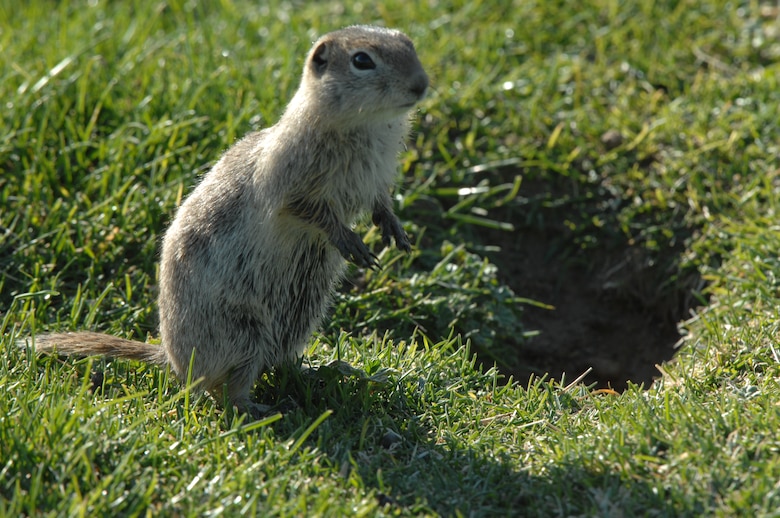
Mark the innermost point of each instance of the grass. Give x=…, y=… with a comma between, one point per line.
x=111, y=112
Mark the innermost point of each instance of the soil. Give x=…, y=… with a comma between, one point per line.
x=613, y=309
x=591, y=323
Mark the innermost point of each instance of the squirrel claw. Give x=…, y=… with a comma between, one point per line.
x=375, y=263
x=402, y=242
x=391, y=227
x=354, y=250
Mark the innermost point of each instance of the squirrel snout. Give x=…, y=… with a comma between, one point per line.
x=419, y=84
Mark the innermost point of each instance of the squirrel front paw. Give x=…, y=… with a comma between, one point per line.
x=352, y=248
x=390, y=226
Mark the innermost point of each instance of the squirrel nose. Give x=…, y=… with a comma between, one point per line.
x=419, y=84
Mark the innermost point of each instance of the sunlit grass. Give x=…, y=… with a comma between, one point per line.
x=653, y=124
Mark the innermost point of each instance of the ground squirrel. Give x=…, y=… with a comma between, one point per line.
x=250, y=261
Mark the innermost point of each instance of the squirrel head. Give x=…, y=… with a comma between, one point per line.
x=362, y=74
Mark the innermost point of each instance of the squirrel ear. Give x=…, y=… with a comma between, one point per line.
x=319, y=59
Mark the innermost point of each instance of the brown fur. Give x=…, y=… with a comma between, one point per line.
x=249, y=263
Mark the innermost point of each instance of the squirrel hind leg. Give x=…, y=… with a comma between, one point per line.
x=239, y=387
x=255, y=410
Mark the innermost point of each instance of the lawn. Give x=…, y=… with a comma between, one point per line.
x=588, y=322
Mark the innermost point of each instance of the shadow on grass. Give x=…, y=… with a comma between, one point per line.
x=388, y=438
x=460, y=482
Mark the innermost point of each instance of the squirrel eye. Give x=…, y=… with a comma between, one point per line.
x=363, y=61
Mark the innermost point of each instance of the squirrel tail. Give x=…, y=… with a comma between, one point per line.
x=86, y=343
